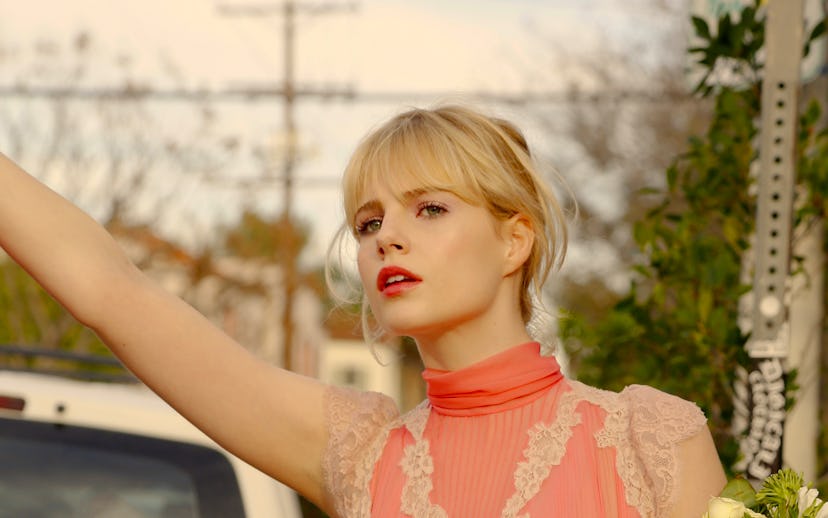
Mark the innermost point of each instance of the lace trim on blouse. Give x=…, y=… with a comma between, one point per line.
x=358, y=427
x=547, y=446
x=642, y=424
x=658, y=422
x=645, y=425
x=418, y=465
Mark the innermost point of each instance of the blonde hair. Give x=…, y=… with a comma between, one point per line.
x=481, y=159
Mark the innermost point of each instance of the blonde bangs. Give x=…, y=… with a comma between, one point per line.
x=406, y=154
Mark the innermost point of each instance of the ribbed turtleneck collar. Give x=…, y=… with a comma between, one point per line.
x=512, y=378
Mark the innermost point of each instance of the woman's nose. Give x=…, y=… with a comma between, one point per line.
x=390, y=238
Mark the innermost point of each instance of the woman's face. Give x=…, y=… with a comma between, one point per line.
x=429, y=261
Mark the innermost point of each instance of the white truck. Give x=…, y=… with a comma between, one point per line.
x=72, y=448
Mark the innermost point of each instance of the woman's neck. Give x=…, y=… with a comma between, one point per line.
x=454, y=345
x=461, y=347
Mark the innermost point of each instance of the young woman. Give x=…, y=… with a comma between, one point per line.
x=456, y=234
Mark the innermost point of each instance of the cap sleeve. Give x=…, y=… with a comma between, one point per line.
x=358, y=423
x=658, y=422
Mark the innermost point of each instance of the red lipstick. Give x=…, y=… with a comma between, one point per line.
x=393, y=280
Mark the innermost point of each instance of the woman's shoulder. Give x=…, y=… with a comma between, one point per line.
x=358, y=423
x=645, y=426
x=647, y=409
x=658, y=416
x=344, y=403
x=356, y=417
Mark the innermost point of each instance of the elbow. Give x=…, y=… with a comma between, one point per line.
x=105, y=294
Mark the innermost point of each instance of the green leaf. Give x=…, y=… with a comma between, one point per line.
x=701, y=27
x=812, y=113
x=740, y=489
x=723, y=36
x=705, y=303
x=816, y=32
x=819, y=30
x=747, y=16
x=672, y=174
x=649, y=190
x=642, y=234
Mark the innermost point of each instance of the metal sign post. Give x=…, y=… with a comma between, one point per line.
x=761, y=390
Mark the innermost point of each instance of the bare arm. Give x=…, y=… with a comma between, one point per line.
x=270, y=417
x=701, y=475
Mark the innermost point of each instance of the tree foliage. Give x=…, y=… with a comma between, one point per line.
x=29, y=315
x=610, y=147
x=261, y=237
x=677, y=327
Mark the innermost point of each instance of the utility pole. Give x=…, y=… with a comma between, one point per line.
x=289, y=267
x=761, y=394
x=290, y=282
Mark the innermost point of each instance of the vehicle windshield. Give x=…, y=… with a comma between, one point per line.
x=49, y=470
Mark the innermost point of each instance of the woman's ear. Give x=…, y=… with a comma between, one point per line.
x=519, y=237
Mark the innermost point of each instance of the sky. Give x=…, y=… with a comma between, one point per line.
x=387, y=44
x=391, y=46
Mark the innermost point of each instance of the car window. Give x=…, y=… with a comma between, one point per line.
x=49, y=470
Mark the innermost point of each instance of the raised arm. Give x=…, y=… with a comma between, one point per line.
x=269, y=417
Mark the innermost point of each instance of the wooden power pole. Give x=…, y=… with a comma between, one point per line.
x=290, y=283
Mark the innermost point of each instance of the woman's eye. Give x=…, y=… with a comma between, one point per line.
x=369, y=226
x=431, y=209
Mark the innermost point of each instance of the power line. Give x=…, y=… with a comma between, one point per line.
x=270, y=9
x=267, y=93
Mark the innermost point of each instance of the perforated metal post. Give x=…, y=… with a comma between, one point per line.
x=784, y=40
x=762, y=387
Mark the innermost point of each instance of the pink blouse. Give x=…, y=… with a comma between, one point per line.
x=507, y=437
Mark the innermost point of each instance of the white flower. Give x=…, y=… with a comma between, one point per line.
x=721, y=507
x=806, y=497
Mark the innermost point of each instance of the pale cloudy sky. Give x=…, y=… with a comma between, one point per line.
x=445, y=46
x=380, y=44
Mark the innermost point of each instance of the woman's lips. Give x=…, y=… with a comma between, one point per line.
x=393, y=280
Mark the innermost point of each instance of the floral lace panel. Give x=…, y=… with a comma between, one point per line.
x=358, y=426
x=547, y=446
x=659, y=422
x=418, y=465
x=616, y=434
x=644, y=426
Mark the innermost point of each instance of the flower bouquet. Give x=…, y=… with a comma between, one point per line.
x=782, y=495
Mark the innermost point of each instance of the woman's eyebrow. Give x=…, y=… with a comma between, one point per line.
x=372, y=205
x=416, y=193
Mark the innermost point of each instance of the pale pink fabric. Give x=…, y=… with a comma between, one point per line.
x=507, y=437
